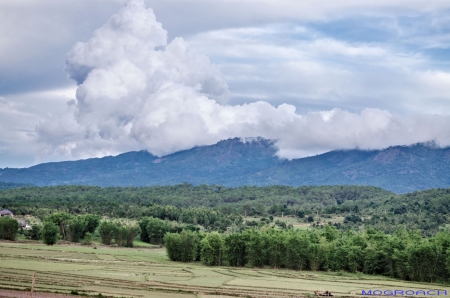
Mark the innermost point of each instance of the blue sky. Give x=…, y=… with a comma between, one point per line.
x=315, y=75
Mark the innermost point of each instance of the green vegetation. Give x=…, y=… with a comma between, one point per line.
x=147, y=273
x=285, y=230
x=107, y=231
x=8, y=228
x=403, y=255
x=216, y=208
x=133, y=202
x=50, y=233
x=182, y=247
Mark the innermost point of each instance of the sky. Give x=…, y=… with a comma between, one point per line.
x=90, y=78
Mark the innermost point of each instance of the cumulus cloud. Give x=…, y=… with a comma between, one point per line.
x=136, y=90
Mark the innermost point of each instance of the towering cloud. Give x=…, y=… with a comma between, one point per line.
x=137, y=91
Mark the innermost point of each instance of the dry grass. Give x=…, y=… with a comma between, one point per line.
x=146, y=272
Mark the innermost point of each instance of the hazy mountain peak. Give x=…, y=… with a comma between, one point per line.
x=251, y=161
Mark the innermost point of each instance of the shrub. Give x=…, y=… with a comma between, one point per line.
x=50, y=233
x=8, y=228
x=107, y=231
x=87, y=239
x=35, y=233
x=182, y=247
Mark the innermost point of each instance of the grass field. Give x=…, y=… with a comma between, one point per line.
x=147, y=272
x=299, y=223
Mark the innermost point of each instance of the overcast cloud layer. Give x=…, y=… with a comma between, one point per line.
x=314, y=77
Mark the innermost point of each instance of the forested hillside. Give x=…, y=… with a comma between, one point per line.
x=251, y=200
x=234, y=163
x=6, y=185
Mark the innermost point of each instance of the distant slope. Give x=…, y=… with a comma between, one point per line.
x=400, y=169
x=234, y=163
x=71, y=197
x=8, y=185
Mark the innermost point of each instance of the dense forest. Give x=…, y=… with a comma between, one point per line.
x=117, y=201
x=216, y=207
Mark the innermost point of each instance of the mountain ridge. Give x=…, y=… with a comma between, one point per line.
x=234, y=163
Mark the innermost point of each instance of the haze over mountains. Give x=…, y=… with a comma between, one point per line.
x=235, y=163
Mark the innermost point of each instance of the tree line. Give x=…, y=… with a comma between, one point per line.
x=81, y=228
x=404, y=255
x=132, y=202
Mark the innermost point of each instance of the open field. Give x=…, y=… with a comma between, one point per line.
x=298, y=223
x=147, y=272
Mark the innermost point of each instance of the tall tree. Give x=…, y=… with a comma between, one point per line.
x=8, y=228
x=212, y=249
x=50, y=233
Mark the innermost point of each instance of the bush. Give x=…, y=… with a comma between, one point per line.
x=87, y=239
x=156, y=229
x=107, y=231
x=50, y=233
x=125, y=235
x=130, y=233
x=35, y=233
x=352, y=218
x=182, y=247
x=77, y=229
x=8, y=228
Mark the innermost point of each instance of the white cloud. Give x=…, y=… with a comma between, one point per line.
x=314, y=72
x=138, y=91
x=19, y=115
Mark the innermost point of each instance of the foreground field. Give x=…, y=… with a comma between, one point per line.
x=147, y=272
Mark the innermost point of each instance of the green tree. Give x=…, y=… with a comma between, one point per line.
x=212, y=249
x=35, y=232
x=182, y=247
x=315, y=256
x=91, y=221
x=173, y=244
x=130, y=233
x=76, y=229
x=50, y=233
x=8, y=228
x=143, y=225
x=61, y=220
x=276, y=244
x=156, y=229
x=190, y=243
x=87, y=239
x=235, y=249
x=256, y=248
x=296, y=251
x=120, y=235
x=107, y=231
x=330, y=232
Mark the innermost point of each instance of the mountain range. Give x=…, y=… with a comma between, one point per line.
x=234, y=163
